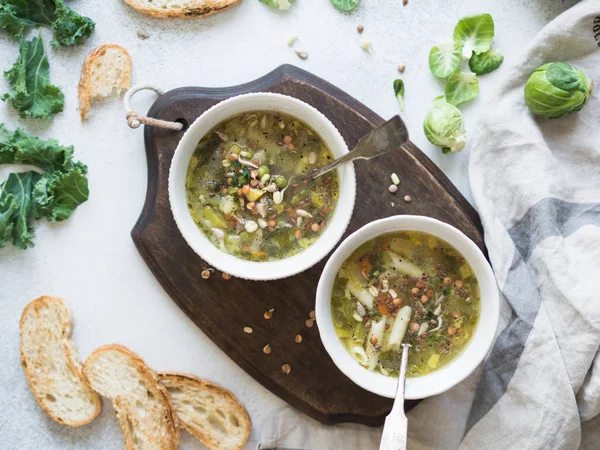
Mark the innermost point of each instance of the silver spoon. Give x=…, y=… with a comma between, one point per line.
x=396, y=424
x=387, y=137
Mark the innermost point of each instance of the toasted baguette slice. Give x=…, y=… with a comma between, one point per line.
x=105, y=72
x=51, y=363
x=186, y=9
x=141, y=402
x=208, y=411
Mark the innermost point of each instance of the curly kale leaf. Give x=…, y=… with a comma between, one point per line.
x=32, y=95
x=56, y=195
x=70, y=28
x=24, y=196
x=16, y=209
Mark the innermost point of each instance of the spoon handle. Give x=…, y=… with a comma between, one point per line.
x=396, y=424
x=389, y=136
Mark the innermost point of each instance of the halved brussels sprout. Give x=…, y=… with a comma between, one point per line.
x=557, y=89
x=444, y=126
x=278, y=4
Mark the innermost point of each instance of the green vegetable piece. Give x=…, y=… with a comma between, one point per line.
x=280, y=181
x=475, y=34
x=69, y=27
x=215, y=219
x=254, y=194
x=399, y=92
x=445, y=58
x=262, y=171
x=279, y=4
x=345, y=5
x=21, y=148
x=32, y=95
x=16, y=209
x=556, y=90
x=444, y=126
x=56, y=195
x=486, y=62
x=461, y=87
x=23, y=196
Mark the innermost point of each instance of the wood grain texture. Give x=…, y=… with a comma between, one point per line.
x=223, y=308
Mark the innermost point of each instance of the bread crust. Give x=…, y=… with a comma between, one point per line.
x=122, y=413
x=85, y=86
x=205, y=8
x=70, y=355
x=175, y=378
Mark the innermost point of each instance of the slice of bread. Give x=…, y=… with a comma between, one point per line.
x=142, y=403
x=208, y=411
x=105, y=72
x=180, y=8
x=51, y=363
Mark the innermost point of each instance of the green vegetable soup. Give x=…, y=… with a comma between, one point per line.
x=405, y=287
x=248, y=189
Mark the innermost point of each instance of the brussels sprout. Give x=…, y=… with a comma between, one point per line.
x=461, y=87
x=399, y=92
x=444, y=58
x=475, y=33
x=482, y=63
x=444, y=126
x=279, y=4
x=345, y=5
x=557, y=89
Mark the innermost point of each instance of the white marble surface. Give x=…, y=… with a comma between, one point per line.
x=91, y=261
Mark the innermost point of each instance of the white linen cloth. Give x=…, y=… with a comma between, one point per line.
x=536, y=185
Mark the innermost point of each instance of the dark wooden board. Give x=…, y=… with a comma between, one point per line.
x=222, y=308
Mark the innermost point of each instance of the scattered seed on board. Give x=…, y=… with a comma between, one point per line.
x=395, y=179
x=407, y=198
x=292, y=40
x=392, y=204
x=268, y=314
x=404, y=2
x=267, y=349
x=142, y=34
x=393, y=188
x=309, y=323
x=360, y=28
x=366, y=45
x=205, y=274
x=401, y=68
x=298, y=339
x=248, y=330
x=312, y=315
x=302, y=55
x=226, y=276
x=286, y=368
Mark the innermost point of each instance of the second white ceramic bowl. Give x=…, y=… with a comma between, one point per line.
x=196, y=239
x=447, y=376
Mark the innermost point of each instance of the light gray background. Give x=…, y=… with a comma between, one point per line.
x=91, y=261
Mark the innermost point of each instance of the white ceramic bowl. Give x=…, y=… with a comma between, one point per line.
x=447, y=376
x=196, y=239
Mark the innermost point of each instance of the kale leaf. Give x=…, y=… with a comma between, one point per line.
x=16, y=208
x=32, y=95
x=70, y=28
x=24, y=196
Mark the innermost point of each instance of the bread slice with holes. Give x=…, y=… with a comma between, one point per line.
x=142, y=403
x=186, y=9
x=208, y=411
x=51, y=363
x=105, y=72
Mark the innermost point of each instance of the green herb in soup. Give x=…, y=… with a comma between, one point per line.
x=248, y=188
x=406, y=287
